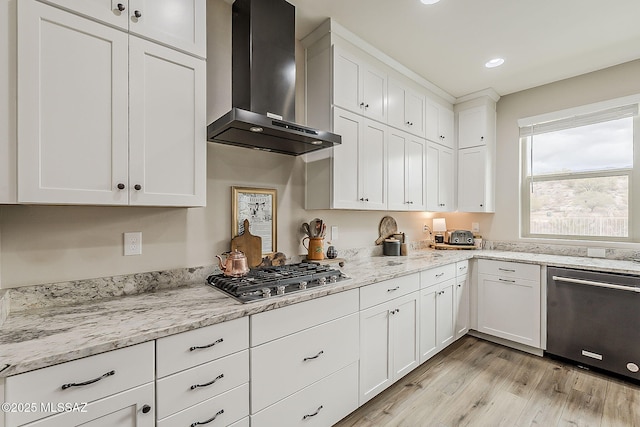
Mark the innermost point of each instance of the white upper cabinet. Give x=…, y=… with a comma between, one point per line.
x=166, y=116
x=180, y=24
x=476, y=127
x=406, y=108
x=73, y=109
x=358, y=86
x=356, y=169
x=104, y=117
x=476, y=158
x=439, y=124
x=440, y=177
x=406, y=171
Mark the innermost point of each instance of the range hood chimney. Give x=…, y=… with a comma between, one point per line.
x=263, y=84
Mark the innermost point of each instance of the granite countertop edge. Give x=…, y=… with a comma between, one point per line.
x=39, y=338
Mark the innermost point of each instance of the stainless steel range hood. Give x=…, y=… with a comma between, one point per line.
x=263, y=84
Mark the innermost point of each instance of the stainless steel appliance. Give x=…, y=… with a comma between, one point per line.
x=460, y=237
x=593, y=318
x=274, y=281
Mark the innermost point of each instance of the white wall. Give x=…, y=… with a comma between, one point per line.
x=610, y=83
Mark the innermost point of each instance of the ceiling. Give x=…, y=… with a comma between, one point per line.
x=448, y=43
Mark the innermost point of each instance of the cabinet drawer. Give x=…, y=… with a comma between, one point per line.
x=322, y=404
x=114, y=371
x=282, y=367
x=509, y=269
x=181, y=351
x=186, y=388
x=226, y=408
x=387, y=290
x=462, y=268
x=278, y=323
x=436, y=275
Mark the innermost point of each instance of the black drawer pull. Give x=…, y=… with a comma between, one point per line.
x=313, y=357
x=219, y=377
x=505, y=280
x=312, y=415
x=95, y=380
x=393, y=289
x=506, y=269
x=206, y=346
x=220, y=412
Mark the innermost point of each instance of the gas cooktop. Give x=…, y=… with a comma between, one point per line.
x=269, y=282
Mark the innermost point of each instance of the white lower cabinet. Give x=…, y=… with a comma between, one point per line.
x=203, y=375
x=117, y=387
x=295, y=364
x=509, y=301
x=321, y=404
x=462, y=306
x=388, y=343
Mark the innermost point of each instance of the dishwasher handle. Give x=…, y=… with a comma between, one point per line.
x=597, y=284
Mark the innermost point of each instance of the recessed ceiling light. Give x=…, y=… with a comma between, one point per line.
x=429, y=1
x=495, y=62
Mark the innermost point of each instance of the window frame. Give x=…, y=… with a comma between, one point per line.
x=632, y=173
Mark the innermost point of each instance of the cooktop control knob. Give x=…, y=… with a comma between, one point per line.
x=302, y=285
x=333, y=279
x=266, y=292
x=280, y=290
x=322, y=280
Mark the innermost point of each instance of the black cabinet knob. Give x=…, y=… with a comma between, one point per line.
x=121, y=7
x=137, y=14
x=120, y=186
x=146, y=409
x=138, y=187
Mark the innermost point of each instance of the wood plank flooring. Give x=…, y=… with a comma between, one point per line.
x=477, y=383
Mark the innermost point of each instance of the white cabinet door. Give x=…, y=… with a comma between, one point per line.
x=177, y=23
x=439, y=124
x=347, y=81
x=73, y=109
x=509, y=308
x=376, y=369
x=404, y=331
x=166, y=129
x=406, y=169
x=374, y=93
x=372, y=165
x=406, y=108
x=440, y=175
x=389, y=343
x=462, y=306
x=472, y=179
x=397, y=170
x=472, y=127
x=345, y=166
x=428, y=323
x=416, y=153
x=109, y=11
x=445, y=307
x=359, y=87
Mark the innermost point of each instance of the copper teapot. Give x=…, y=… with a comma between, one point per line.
x=235, y=265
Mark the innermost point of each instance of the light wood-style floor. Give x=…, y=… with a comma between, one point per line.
x=477, y=383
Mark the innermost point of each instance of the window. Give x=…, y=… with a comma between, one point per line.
x=578, y=177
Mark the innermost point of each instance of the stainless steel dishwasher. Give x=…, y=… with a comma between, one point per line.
x=593, y=318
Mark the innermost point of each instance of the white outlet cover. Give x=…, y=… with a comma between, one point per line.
x=133, y=243
x=596, y=252
x=475, y=227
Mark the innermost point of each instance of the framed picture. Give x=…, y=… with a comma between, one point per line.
x=259, y=206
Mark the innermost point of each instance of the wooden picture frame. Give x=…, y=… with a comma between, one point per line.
x=259, y=206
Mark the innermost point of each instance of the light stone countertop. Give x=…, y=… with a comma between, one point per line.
x=41, y=337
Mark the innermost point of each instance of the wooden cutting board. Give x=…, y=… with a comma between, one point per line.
x=388, y=226
x=249, y=245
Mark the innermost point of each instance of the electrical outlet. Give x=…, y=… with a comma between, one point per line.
x=596, y=252
x=334, y=232
x=425, y=228
x=133, y=243
x=475, y=227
